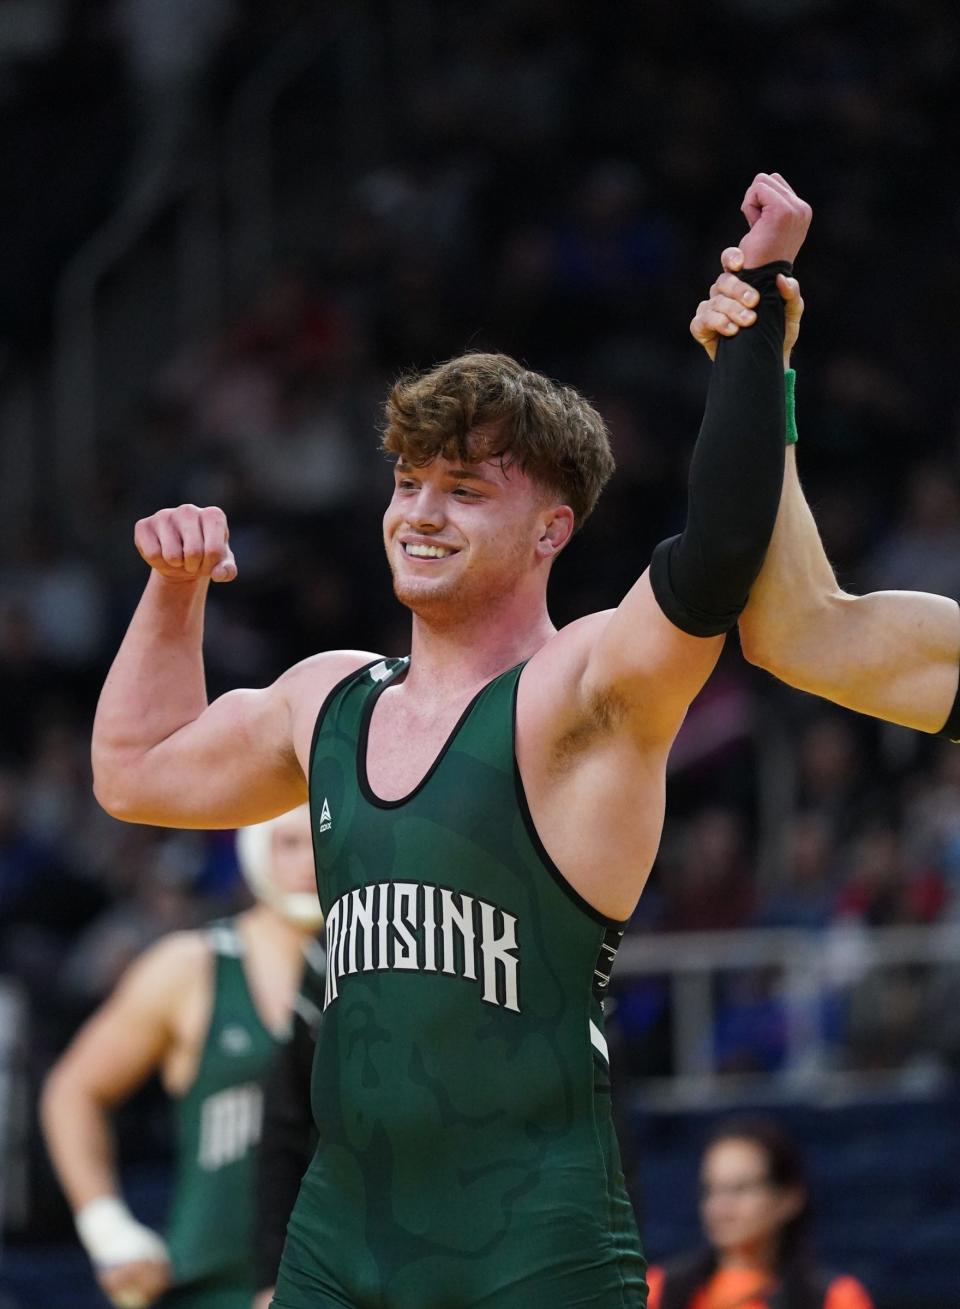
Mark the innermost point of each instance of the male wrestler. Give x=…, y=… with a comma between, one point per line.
x=485, y=814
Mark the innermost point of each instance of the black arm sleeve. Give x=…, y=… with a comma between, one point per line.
x=286, y=1144
x=701, y=579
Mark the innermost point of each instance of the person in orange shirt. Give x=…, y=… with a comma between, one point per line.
x=755, y=1209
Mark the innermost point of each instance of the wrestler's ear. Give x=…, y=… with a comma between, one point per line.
x=556, y=528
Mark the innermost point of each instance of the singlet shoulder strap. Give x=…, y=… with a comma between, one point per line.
x=313, y=982
x=225, y=940
x=230, y=989
x=314, y=956
x=486, y=730
x=342, y=707
x=232, y=997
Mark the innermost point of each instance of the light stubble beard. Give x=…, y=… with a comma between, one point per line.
x=457, y=602
x=444, y=605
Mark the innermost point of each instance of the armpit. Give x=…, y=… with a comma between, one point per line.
x=604, y=712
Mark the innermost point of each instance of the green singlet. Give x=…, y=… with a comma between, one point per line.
x=218, y=1128
x=460, y=1083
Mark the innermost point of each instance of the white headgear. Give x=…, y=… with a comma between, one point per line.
x=255, y=860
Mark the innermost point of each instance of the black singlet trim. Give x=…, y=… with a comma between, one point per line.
x=584, y=905
x=327, y=700
x=363, y=782
x=321, y=714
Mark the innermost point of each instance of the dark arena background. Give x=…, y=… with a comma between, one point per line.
x=226, y=227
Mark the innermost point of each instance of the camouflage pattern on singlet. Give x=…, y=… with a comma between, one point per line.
x=460, y=1083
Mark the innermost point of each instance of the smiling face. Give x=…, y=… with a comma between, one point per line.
x=742, y=1210
x=461, y=537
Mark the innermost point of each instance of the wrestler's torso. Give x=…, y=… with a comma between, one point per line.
x=460, y=1082
x=594, y=785
x=218, y=1119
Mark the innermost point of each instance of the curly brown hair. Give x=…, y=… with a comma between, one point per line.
x=487, y=406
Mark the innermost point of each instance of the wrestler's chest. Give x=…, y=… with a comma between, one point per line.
x=403, y=747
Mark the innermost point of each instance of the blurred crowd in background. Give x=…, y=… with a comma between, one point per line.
x=556, y=180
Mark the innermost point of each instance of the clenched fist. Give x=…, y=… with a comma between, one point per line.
x=778, y=220
x=187, y=544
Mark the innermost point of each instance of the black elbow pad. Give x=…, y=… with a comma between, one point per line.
x=705, y=616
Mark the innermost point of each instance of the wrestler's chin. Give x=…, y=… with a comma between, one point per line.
x=425, y=595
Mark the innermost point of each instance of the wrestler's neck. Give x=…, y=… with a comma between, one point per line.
x=468, y=648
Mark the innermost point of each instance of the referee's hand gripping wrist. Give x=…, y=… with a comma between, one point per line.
x=731, y=305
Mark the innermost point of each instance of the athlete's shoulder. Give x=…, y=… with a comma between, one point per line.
x=332, y=663
x=182, y=949
x=169, y=967
x=307, y=685
x=559, y=663
x=315, y=677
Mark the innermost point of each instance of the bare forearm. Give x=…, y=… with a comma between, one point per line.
x=890, y=654
x=156, y=684
x=80, y=1141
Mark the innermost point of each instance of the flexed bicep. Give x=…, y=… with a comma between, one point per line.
x=231, y=765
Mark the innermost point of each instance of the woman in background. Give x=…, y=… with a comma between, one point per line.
x=755, y=1209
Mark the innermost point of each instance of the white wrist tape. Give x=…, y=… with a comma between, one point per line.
x=111, y=1235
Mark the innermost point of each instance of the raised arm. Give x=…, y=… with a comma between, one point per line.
x=657, y=649
x=891, y=654
x=161, y=754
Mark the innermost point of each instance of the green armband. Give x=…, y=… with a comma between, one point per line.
x=790, y=386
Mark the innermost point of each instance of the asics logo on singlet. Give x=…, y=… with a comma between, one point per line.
x=326, y=821
x=413, y=927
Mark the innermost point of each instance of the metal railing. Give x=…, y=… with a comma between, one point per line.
x=810, y=966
